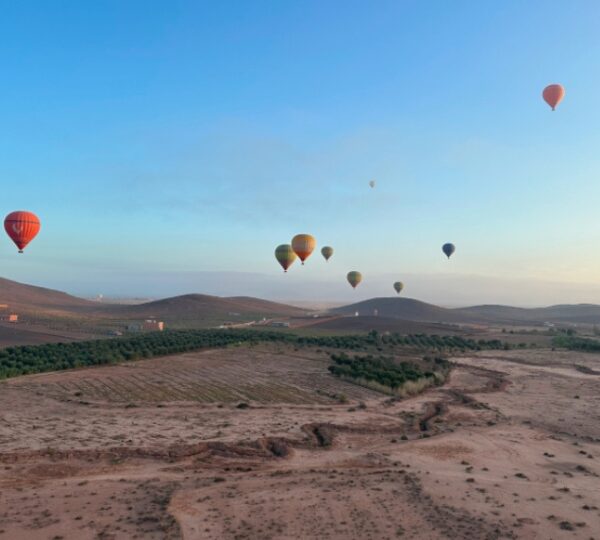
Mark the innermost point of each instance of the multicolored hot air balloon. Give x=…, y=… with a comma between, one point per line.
x=354, y=278
x=303, y=245
x=285, y=256
x=553, y=94
x=398, y=286
x=22, y=227
x=448, y=249
x=327, y=252
x=372, y=183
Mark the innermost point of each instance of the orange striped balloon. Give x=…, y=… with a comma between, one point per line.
x=303, y=245
x=22, y=227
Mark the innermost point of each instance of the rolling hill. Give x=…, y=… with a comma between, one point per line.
x=40, y=303
x=565, y=313
x=201, y=306
x=406, y=309
x=30, y=299
x=415, y=310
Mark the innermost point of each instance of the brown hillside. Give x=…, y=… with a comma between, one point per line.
x=406, y=309
x=29, y=298
x=200, y=306
x=415, y=310
x=384, y=324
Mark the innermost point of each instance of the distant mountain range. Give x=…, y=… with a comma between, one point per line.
x=415, y=310
x=28, y=299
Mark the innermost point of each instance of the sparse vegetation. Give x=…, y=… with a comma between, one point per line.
x=567, y=341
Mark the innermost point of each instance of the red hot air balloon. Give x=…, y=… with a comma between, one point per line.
x=22, y=227
x=553, y=95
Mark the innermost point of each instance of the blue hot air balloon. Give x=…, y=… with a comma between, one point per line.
x=448, y=249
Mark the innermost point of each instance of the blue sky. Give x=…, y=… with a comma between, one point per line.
x=163, y=140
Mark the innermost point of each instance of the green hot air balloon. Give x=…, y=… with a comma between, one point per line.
x=285, y=256
x=354, y=278
x=398, y=286
x=327, y=252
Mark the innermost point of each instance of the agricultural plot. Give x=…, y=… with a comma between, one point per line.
x=11, y=336
x=261, y=375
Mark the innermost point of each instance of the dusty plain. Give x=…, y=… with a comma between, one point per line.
x=262, y=443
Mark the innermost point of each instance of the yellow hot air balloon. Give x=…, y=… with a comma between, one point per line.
x=285, y=256
x=327, y=252
x=398, y=286
x=354, y=278
x=303, y=245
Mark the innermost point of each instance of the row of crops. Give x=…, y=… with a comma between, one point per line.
x=24, y=360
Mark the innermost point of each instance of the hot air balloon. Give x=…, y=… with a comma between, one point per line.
x=448, y=249
x=22, y=227
x=327, y=252
x=354, y=278
x=398, y=286
x=553, y=95
x=285, y=256
x=372, y=183
x=303, y=245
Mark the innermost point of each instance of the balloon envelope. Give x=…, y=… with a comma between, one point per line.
x=285, y=256
x=327, y=252
x=354, y=278
x=448, y=249
x=22, y=227
x=553, y=94
x=372, y=183
x=398, y=286
x=303, y=245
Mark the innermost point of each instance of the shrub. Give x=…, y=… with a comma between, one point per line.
x=385, y=375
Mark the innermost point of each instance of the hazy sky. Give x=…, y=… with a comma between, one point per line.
x=161, y=142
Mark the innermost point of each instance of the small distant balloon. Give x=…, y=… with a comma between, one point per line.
x=448, y=249
x=327, y=252
x=372, y=183
x=303, y=245
x=354, y=278
x=398, y=286
x=22, y=227
x=285, y=256
x=553, y=94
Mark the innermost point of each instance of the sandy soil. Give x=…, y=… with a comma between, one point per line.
x=177, y=448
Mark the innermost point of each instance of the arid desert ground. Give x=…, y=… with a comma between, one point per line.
x=262, y=442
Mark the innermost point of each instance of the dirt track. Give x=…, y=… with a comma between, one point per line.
x=504, y=450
